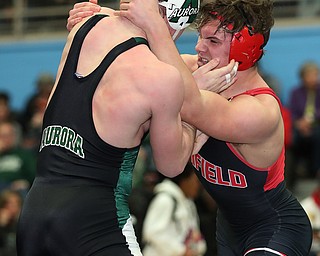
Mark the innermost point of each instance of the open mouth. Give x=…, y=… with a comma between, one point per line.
x=202, y=61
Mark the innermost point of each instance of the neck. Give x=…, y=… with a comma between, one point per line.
x=130, y=28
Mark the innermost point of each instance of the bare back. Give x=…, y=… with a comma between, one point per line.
x=137, y=93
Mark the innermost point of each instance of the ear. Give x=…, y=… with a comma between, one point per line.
x=162, y=11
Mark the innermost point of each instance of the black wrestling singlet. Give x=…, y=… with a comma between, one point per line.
x=257, y=214
x=78, y=204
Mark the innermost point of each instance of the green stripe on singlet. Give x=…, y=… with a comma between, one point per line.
x=124, y=185
x=141, y=40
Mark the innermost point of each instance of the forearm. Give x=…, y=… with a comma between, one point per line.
x=179, y=152
x=172, y=147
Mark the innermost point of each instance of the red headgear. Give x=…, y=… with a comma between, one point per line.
x=246, y=48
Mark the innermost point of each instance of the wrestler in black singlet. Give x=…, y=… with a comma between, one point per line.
x=78, y=205
x=257, y=214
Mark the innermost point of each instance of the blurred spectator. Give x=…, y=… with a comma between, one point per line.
x=6, y=4
x=171, y=226
x=31, y=119
x=308, y=8
x=304, y=104
x=140, y=199
x=17, y=165
x=6, y=113
x=7, y=9
x=37, y=3
x=311, y=205
x=10, y=208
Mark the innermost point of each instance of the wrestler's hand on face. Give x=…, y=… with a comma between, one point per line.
x=80, y=11
x=216, y=80
x=143, y=13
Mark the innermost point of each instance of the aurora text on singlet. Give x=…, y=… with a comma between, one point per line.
x=56, y=135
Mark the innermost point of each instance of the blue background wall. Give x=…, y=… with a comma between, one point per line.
x=288, y=48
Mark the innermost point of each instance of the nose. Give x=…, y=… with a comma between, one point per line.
x=200, y=46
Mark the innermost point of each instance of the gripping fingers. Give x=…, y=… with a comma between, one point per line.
x=234, y=69
x=71, y=22
x=230, y=76
x=84, y=9
x=124, y=6
x=80, y=11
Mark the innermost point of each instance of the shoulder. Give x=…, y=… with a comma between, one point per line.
x=257, y=101
x=259, y=115
x=168, y=75
x=270, y=108
x=164, y=79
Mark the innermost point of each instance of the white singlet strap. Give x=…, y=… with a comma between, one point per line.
x=131, y=238
x=264, y=249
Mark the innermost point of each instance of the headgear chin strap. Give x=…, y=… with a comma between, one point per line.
x=246, y=48
x=180, y=13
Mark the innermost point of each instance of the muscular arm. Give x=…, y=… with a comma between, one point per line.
x=171, y=139
x=167, y=52
x=164, y=48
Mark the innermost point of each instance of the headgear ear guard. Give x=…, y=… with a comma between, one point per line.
x=246, y=48
x=180, y=13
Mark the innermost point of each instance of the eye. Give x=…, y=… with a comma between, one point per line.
x=213, y=41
